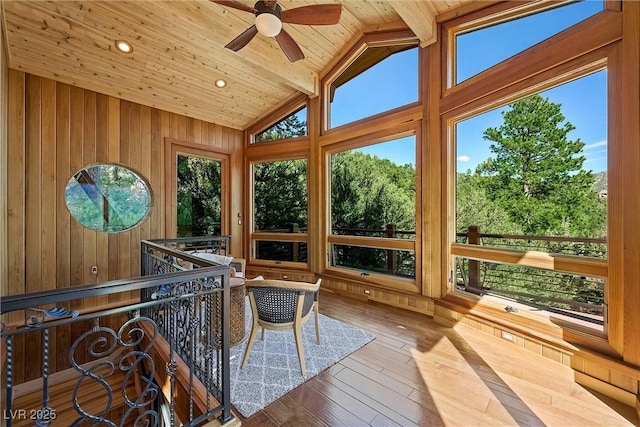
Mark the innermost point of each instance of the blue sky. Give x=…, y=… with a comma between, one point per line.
x=583, y=100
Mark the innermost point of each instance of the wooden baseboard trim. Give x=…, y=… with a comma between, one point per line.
x=612, y=378
x=607, y=389
x=417, y=303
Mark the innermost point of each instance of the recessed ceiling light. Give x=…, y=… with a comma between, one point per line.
x=221, y=83
x=123, y=46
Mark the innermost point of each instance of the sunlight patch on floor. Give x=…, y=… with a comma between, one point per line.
x=455, y=389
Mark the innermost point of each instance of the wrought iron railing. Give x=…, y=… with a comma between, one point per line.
x=572, y=295
x=186, y=245
x=118, y=369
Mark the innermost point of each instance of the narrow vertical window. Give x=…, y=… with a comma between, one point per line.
x=280, y=209
x=373, y=192
x=199, y=204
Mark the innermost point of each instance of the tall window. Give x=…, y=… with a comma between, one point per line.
x=373, y=208
x=199, y=203
x=280, y=210
x=532, y=176
x=530, y=199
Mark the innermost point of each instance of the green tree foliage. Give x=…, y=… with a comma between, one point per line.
x=536, y=175
x=280, y=194
x=473, y=207
x=368, y=192
x=199, y=198
x=535, y=185
x=280, y=204
x=107, y=198
x=289, y=127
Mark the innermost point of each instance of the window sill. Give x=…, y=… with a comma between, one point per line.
x=394, y=283
x=545, y=328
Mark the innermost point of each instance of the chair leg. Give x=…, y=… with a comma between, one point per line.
x=252, y=338
x=263, y=331
x=297, y=332
x=315, y=308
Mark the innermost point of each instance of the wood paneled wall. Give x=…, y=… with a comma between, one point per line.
x=54, y=130
x=3, y=160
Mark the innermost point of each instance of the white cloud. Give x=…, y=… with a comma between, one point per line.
x=595, y=144
x=464, y=158
x=597, y=159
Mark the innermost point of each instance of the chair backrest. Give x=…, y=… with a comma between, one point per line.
x=239, y=264
x=276, y=300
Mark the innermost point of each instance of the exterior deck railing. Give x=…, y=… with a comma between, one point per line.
x=572, y=295
x=387, y=261
x=123, y=365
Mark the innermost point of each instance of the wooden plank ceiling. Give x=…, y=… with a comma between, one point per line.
x=179, y=50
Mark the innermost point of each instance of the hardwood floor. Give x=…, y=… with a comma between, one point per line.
x=419, y=373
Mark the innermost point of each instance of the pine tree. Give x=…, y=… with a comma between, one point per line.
x=536, y=175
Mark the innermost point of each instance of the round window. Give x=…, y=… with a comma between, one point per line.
x=108, y=197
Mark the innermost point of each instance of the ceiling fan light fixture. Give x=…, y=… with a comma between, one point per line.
x=268, y=25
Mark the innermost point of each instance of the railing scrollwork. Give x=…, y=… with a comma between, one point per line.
x=115, y=350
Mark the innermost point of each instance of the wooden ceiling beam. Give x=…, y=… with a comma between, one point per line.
x=420, y=16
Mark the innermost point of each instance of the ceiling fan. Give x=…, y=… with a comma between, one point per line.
x=269, y=19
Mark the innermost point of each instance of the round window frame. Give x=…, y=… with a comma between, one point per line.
x=139, y=176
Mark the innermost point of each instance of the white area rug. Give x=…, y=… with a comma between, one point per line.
x=273, y=369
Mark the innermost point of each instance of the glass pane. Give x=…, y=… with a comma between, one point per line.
x=280, y=196
x=199, y=196
x=373, y=190
x=381, y=79
x=483, y=48
x=289, y=127
x=538, y=167
x=385, y=261
x=108, y=198
x=281, y=251
x=577, y=299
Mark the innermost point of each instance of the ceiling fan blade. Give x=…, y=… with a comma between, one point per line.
x=235, y=5
x=315, y=14
x=289, y=46
x=242, y=40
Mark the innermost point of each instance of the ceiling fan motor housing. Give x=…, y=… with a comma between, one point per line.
x=264, y=7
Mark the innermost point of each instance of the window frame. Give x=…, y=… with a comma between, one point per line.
x=269, y=151
x=410, y=128
x=371, y=40
x=270, y=236
x=531, y=71
x=495, y=15
x=285, y=110
x=175, y=147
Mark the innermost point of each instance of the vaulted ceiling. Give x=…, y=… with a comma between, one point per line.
x=179, y=50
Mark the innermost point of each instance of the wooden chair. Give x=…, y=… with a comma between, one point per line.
x=280, y=304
